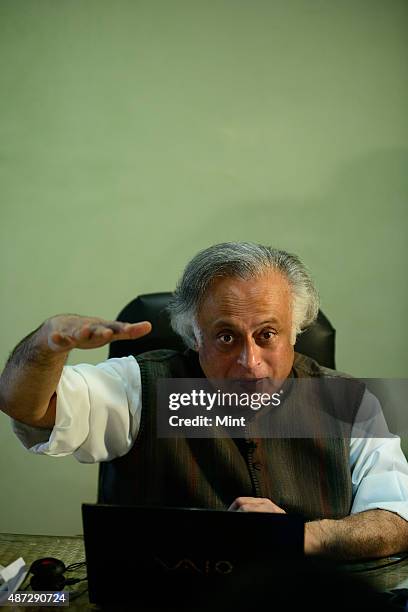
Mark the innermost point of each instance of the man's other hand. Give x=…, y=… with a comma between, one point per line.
x=66, y=332
x=255, y=504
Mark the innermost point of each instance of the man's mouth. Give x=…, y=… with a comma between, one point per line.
x=251, y=385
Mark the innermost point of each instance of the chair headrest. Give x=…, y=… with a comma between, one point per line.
x=317, y=342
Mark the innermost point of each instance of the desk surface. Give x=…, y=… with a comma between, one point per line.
x=71, y=550
x=32, y=547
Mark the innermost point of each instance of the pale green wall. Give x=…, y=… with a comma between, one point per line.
x=133, y=133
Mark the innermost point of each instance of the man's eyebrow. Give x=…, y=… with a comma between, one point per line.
x=273, y=320
x=228, y=323
x=223, y=323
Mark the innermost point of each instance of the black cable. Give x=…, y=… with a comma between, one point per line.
x=74, y=566
x=75, y=580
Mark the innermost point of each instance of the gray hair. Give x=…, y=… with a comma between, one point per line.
x=242, y=260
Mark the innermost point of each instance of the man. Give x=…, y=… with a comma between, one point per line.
x=238, y=307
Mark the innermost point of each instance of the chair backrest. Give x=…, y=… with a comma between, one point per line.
x=318, y=341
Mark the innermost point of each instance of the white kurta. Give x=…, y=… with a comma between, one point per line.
x=98, y=418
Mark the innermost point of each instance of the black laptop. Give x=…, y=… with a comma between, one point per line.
x=182, y=558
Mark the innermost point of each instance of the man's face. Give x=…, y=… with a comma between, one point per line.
x=245, y=328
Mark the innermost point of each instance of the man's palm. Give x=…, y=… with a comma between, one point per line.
x=66, y=332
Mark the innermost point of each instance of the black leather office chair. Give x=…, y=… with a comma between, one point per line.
x=316, y=342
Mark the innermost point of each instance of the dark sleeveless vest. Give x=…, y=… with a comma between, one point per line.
x=307, y=476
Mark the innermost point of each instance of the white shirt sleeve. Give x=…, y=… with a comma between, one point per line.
x=97, y=416
x=98, y=419
x=379, y=469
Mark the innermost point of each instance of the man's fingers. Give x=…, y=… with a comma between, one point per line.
x=137, y=330
x=240, y=501
x=100, y=330
x=110, y=331
x=234, y=506
x=115, y=326
x=130, y=331
x=255, y=504
x=80, y=332
x=62, y=340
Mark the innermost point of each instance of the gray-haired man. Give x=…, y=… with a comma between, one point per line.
x=239, y=307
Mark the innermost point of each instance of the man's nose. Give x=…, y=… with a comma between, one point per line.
x=250, y=355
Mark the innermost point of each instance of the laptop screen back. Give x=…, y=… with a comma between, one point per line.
x=177, y=556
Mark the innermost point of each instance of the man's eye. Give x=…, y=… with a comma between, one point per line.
x=226, y=338
x=267, y=335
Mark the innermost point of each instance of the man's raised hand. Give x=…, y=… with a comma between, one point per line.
x=66, y=332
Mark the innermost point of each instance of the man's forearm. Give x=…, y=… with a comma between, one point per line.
x=32, y=373
x=30, y=378
x=370, y=534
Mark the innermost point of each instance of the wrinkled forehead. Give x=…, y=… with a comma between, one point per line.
x=240, y=300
